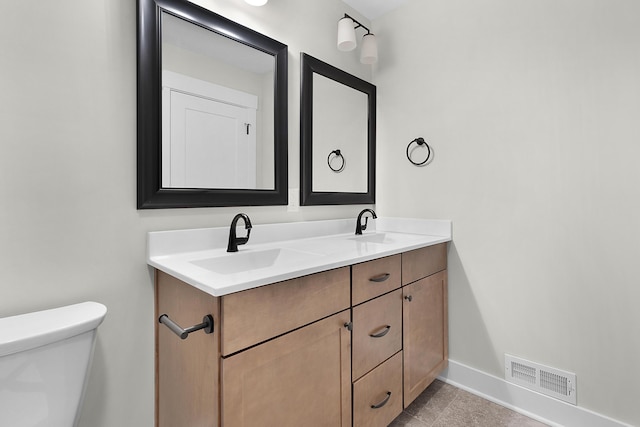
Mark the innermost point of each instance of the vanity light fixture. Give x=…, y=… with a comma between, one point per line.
x=347, y=39
x=256, y=2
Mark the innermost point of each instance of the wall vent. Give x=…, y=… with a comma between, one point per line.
x=543, y=379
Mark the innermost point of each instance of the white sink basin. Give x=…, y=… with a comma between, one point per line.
x=385, y=238
x=248, y=260
x=382, y=238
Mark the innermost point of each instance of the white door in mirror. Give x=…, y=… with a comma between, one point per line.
x=213, y=144
x=209, y=136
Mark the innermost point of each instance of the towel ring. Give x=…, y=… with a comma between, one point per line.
x=337, y=154
x=419, y=141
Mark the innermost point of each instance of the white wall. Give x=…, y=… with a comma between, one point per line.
x=532, y=108
x=69, y=228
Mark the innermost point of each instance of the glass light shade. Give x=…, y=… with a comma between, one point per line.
x=369, y=51
x=256, y=2
x=346, y=34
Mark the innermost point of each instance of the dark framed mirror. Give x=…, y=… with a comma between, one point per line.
x=212, y=110
x=338, y=136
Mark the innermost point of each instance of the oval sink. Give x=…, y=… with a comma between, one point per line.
x=374, y=238
x=238, y=262
x=385, y=238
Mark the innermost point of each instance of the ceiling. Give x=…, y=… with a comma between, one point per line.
x=372, y=9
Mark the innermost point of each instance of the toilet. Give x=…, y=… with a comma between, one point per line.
x=45, y=357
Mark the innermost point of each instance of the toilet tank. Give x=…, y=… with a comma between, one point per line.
x=44, y=360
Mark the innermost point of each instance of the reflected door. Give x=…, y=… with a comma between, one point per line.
x=212, y=144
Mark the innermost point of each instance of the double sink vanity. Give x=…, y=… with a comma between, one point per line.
x=311, y=324
x=299, y=324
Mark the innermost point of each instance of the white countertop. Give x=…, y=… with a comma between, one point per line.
x=277, y=252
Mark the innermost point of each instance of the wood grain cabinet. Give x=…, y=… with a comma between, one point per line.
x=377, y=332
x=377, y=396
x=424, y=318
x=299, y=379
x=343, y=347
x=187, y=371
x=374, y=278
x=303, y=375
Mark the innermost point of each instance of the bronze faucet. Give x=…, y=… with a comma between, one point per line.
x=235, y=241
x=359, y=226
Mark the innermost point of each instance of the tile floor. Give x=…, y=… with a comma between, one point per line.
x=443, y=405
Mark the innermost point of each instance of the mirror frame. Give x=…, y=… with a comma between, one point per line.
x=308, y=197
x=151, y=195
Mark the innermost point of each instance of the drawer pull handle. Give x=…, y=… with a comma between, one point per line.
x=380, y=278
x=384, y=402
x=384, y=332
x=349, y=326
x=409, y=298
x=207, y=325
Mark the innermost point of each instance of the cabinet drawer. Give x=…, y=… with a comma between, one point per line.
x=373, y=278
x=377, y=397
x=423, y=262
x=377, y=332
x=256, y=315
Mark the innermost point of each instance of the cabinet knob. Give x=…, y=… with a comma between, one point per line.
x=349, y=326
x=409, y=298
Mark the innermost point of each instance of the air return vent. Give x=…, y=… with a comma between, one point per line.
x=543, y=379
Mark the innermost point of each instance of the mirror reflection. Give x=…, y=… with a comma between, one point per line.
x=339, y=123
x=338, y=136
x=217, y=110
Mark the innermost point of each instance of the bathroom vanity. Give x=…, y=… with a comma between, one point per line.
x=336, y=330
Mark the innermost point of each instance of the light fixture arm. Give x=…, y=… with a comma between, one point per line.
x=357, y=22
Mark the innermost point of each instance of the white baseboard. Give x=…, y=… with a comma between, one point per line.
x=545, y=409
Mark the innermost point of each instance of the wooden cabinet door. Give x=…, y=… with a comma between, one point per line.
x=302, y=378
x=425, y=333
